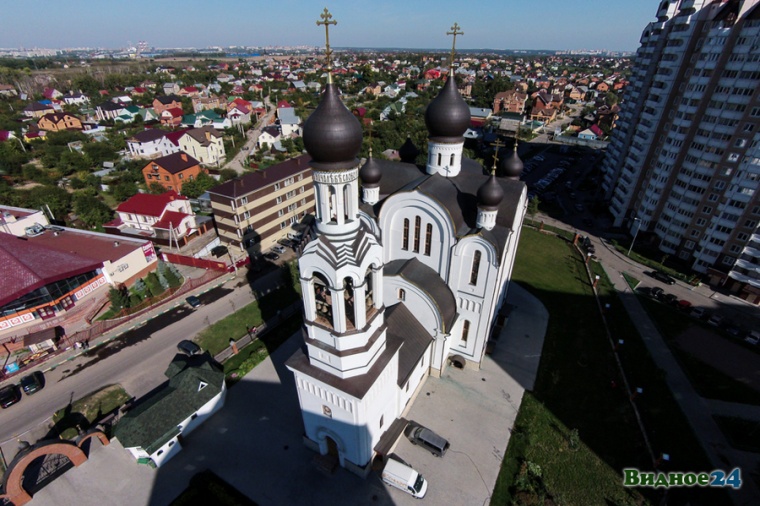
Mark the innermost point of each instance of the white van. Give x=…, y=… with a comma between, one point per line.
x=405, y=478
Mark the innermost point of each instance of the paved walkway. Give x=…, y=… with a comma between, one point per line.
x=255, y=441
x=696, y=409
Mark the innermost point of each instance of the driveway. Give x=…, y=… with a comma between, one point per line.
x=255, y=443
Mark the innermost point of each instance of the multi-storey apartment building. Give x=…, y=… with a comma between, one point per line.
x=256, y=209
x=684, y=162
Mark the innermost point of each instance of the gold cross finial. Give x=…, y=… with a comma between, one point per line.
x=454, y=31
x=327, y=20
x=498, y=145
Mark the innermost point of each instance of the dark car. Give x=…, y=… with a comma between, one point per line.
x=271, y=256
x=9, y=395
x=32, y=383
x=422, y=436
x=193, y=301
x=188, y=347
x=287, y=243
x=670, y=298
x=656, y=292
x=661, y=276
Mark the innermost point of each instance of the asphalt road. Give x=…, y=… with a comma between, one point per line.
x=252, y=138
x=135, y=359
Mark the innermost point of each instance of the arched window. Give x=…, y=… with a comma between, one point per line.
x=452, y=159
x=465, y=331
x=348, y=298
x=417, y=226
x=405, y=241
x=323, y=301
x=401, y=294
x=475, y=268
x=439, y=159
x=428, y=238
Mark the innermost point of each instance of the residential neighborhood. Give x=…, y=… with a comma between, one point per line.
x=228, y=269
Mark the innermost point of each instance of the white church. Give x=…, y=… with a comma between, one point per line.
x=406, y=276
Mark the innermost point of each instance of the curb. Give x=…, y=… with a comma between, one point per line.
x=107, y=340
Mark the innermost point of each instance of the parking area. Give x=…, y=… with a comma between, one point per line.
x=254, y=443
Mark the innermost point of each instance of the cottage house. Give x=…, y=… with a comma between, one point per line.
x=172, y=171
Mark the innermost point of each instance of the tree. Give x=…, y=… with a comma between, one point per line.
x=39, y=197
x=119, y=297
x=123, y=190
x=91, y=211
x=533, y=208
x=156, y=188
x=611, y=98
x=198, y=186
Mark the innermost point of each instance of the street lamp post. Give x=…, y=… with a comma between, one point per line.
x=636, y=220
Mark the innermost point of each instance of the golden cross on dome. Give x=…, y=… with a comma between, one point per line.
x=327, y=20
x=498, y=145
x=454, y=31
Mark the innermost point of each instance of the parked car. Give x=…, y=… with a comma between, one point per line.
x=193, y=301
x=669, y=298
x=735, y=331
x=656, y=292
x=9, y=395
x=753, y=337
x=432, y=442
x=684, y=305
x=698, y=312
x=32, y=383
x=287, y=243
x=271, y=256
x=661, y=276
x=188, y=347
x=278, y=249
x=715, y=320
x=405, y=478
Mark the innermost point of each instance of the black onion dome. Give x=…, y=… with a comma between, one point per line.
x=408, y=152
x=332, y=135
x=490, y=194
x=512, y=166
x=370, y=172
x=448, y=115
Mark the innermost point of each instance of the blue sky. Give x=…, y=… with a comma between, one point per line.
x=494, y=24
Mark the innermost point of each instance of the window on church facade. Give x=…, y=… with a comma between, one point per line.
x=323, y=301
x=405, y=242
x=475, y=268
x=327, y=411
x=348, y=299
x=428, y=238
x=401, y=294
x=439, y=159
x=452, y=159
x=417, y=226
x=465, y=331
x=381, y=421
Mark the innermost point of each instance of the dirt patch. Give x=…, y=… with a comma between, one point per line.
x=730, y=358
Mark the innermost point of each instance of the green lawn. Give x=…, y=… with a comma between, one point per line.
x=88, y=409
x=216, y=337
x=579, y=388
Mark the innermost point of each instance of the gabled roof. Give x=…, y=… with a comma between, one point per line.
x=147, y=204
x=174, y=136
x=253, y=181
x=155, y=421
x=174, y=112
x=203, y=135
x=175, y=163
x=170, y=219
x=168, y=99
x=148, y=135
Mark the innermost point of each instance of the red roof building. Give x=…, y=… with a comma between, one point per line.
x=164, y=219
x=48, y=272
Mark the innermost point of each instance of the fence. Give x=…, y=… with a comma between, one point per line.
x=194, y=262
x=564, y=139
x=100, y=327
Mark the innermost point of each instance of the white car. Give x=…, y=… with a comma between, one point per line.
x=278, y=249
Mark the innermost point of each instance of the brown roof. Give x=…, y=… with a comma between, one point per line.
x=175, y=163
x=203, y=135
x=254, y=181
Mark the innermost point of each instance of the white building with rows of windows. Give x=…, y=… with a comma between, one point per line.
x=406, y=276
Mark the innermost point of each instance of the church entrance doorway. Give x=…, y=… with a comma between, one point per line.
x=332, y=447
